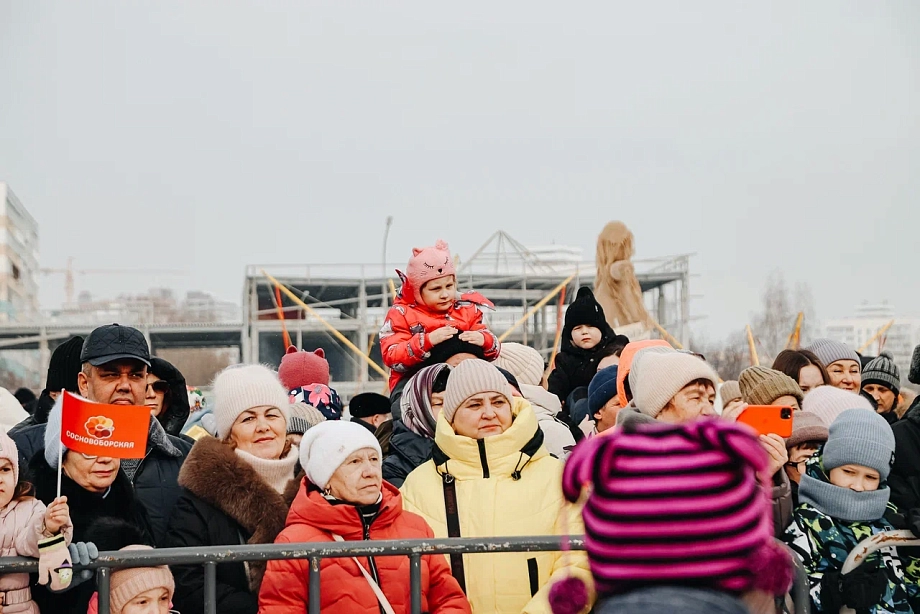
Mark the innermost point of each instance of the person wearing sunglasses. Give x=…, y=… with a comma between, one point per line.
x=167, y=396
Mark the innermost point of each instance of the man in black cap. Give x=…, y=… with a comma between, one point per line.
x=62, y=375
x=372, y=411
x=115, y=361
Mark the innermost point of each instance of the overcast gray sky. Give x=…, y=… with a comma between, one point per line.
x=207, y=135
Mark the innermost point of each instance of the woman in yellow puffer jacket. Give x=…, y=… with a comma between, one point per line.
x=489, y=452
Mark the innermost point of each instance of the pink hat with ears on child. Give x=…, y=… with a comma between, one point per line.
x=300, y=368
x=427, y=264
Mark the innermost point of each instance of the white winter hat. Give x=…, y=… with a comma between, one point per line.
x=241, y=387
x=523, y=362
x=325, y=447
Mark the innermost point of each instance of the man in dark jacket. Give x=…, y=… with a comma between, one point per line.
x=63, y=368
x=115, y=360
x=904, y=479
x=168, y=401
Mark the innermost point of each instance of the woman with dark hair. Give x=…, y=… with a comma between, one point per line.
x=413, y=435
x=804, y=367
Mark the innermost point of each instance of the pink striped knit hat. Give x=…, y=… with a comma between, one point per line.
x=678, y=505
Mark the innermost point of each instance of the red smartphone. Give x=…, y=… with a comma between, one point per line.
x=768, y=419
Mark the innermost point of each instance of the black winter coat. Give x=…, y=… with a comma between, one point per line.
x=156, y=483
x=223, y=502
x=575, y=366
x=407, y=451
x=85, y=509
x=904, y=479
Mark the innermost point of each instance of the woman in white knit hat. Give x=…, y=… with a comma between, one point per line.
x=237, y=487
x=343, y=498
x=490, y=462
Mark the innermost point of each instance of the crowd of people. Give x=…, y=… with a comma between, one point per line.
x=637, y=445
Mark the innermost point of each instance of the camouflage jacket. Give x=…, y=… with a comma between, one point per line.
x=823, y=543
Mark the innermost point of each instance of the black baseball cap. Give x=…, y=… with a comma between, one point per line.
x=115, y=342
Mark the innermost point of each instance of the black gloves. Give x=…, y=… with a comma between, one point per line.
x=862, y=589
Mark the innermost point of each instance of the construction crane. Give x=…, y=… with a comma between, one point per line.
x=69, y=272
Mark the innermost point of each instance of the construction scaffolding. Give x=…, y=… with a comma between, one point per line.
x=515, y=278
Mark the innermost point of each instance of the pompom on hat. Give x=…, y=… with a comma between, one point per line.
x=700, y=486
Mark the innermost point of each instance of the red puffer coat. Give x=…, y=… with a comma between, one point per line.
x=344, y=590
x=404, y=342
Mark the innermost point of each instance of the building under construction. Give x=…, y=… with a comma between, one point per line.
x=348, y=302
x=353, y=299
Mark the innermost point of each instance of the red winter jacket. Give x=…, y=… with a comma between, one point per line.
x=404, y=342
x=344, y=589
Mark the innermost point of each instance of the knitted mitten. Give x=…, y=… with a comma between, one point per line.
x=54, y=563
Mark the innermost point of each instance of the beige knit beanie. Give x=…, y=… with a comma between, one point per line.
x=729, y=391
x=126, y=584
x=469, y=378
x=241, y=387
x=663, y=376
x=523, y=362
x=762, y=386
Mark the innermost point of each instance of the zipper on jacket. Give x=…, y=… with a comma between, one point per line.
x=370, y=559
x=483, y=458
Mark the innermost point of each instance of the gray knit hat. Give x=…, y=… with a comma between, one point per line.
x=633, y=376
x=241, y=387
x=729, y=391
x=882, y=370
x=829, y=351
x=469, y=378
x=860, y=437
x=302, y=417
x=762, y=386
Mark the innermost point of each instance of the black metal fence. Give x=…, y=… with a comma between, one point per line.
x=415, y=549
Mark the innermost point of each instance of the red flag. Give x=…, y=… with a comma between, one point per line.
x=117, y=431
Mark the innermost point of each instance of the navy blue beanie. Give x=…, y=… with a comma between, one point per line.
x=602, y=388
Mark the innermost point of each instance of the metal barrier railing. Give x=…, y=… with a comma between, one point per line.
x=209, y=557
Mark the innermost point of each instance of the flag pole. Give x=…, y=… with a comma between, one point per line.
x=60, y=449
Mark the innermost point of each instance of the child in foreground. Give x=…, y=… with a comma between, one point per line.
x=28, y=528
x=843, y=500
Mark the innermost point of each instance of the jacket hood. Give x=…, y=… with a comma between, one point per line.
x=311, y=508
x=11, y=412
x=544, y=403
x=176, y=414
x=502, y=455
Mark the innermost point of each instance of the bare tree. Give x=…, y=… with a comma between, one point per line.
x=772, y=327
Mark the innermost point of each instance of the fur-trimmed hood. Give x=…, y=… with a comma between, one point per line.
x=214, y=473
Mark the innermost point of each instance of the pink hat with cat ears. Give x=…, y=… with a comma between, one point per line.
x=428, y=264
